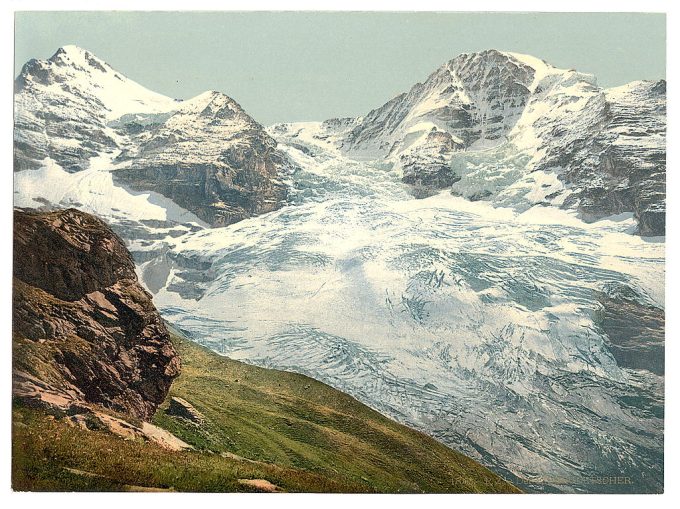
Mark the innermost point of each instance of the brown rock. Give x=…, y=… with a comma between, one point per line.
x=84, y=329
x=182, y=408
x=91, y=419
x=261, y=485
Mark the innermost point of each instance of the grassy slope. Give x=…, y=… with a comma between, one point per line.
x=49, y=455
x=302, y=435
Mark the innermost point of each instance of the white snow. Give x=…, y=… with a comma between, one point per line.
x=540, y=67
x=93, y=190
x=119, y=95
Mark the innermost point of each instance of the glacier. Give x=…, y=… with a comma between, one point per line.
x=475, y=324
x=507, y=329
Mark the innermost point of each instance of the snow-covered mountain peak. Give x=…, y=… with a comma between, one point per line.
x=77, y=56
x=495, y=64
x=487, y=57
x=73, y=72
x=206, y=154
x=513, y=129
x=212, y=103
x=473, y=99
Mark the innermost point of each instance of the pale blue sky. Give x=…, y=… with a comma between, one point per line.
x=292, y=66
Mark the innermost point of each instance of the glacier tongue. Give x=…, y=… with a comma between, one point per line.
x=478, y=325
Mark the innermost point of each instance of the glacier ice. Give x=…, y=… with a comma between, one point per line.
x=476, y=324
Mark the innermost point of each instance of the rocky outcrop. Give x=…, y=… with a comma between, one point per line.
x=182, y=408
x=635, y=329
x=209, y=157
x=91, y=419
x=621, y=167
x=84, y=330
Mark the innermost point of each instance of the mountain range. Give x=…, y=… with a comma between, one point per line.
x=206, y=154
x=555, y=137
x=480, y=258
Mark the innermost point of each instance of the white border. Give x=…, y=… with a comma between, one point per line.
x=103, y=501
x=350, y=5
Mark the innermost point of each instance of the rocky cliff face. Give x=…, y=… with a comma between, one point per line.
x=209, y=157
x=84, y=330
x=623, y=166
x=517, y=131
x=206, y=154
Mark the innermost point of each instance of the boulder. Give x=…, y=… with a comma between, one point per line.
x=84, y=329
x=182, y=408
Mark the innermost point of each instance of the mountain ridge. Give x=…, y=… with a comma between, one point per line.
x=549, y=131
x=205, y=153
x=556, y=137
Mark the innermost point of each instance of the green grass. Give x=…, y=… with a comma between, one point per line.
x=294, y=421
x=49, y=455
x=295, y=432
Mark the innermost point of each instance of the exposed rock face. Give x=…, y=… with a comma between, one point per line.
x=84, y=329
x=209, y=157
x=206, y=154
x=91, y=419
x=182, y=408
x=623, y=167
x=636, y=330
x=517, y=131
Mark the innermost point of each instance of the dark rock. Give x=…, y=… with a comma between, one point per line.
x=182, y=408
x=212, y=159
x=621, y=167
x=82, y=324
x=635, y=329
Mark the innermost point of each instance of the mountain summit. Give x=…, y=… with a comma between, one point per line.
x=206, y=153
x=512, y=129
